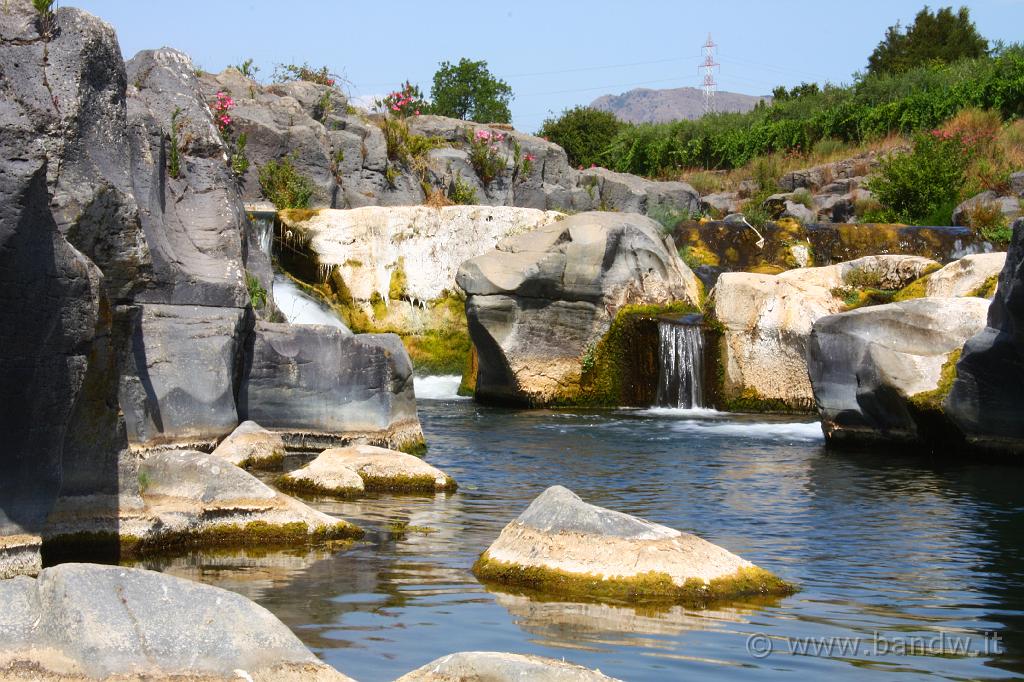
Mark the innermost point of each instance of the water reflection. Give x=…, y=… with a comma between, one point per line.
x=878, y=543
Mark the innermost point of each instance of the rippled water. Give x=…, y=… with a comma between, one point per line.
x=877, y=542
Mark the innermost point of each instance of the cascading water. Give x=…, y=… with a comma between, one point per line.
x=263, y=230
x=681, y=362
x=301, y=308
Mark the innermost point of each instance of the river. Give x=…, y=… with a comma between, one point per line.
x=891, y=550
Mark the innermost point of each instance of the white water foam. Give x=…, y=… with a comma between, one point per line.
x=301, y=308
x=438, y=387
x=807, y=432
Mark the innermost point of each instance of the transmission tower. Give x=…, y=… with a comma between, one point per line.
x=709, y=67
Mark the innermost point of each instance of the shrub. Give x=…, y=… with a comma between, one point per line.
x=704, y=182
x=920, y=187
x=303, y=72
x=462, y=192
x=766, y=171
x=583, y=132
x=44, y=12
x=987, y=219
x=284, y=186
x=257, y=294
x=827, y=146
x=804, y=197
x=247, y=68
x=173, y=148
x=404, y=102
x=485, y=154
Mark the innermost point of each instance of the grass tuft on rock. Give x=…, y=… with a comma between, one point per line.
x=306, y=487
x=423, y=483
x=645, y=588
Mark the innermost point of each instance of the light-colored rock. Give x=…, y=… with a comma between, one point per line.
x=252, y=445
x=1008, y=206
x=493, y=666
x=561, y=540
x=367, y=245
x=966, y=276
x=539, y=300
x=89, y=622
x=869, y=367
x=767, y=320
x=376, y=469
x=20, y=555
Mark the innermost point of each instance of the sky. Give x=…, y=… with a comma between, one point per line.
x=555, y=54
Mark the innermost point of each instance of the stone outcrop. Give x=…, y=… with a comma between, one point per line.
x=539, y=301
x=878, y=372
x=251, y=445
x=496, y=666
x=972, y=275
x=766, y=321
x=986, y=402
x=88, y=622
x=561, y=542
x=319, y=387
x=1008, y=206
x=353, y=469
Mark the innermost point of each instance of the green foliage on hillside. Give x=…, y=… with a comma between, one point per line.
x=583, y=132
x=284, y=186
x=875, y=105
x=469, y=91
x=939, y=37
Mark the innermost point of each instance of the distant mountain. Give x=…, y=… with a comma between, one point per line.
x=644, y=105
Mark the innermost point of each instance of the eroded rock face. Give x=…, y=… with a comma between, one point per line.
x=374, y=469
x=561, y=540
x=540, y=300
x=872, y=368
x=767, y=320
x=252, y=445
x=501, y=667
x=987, y=399
x=967, y=276
x=319, y=387
x=86, y=621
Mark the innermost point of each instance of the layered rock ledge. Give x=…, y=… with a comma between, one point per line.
x=88, y=622
x=562, y=545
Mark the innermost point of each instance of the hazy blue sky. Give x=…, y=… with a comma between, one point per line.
x=554, y=54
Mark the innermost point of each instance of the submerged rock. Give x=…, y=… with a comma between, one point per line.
x=563, y=545
x=539, y=301
x=987, y=399
x=493, y=666
x=352, y=469
x=879, y=374
x=251, y=445
x=88, y=622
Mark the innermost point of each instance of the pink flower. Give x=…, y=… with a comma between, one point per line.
x=417, y=112
x=529, y=157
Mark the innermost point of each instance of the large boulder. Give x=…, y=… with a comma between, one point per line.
x=972, y=275
x=376, y=469
x=539, y=301
x=561, y=543
x=987, y=399
x=251, y=445
x=320, y=387
x=879, y=373
x=766, y=321
x=495, y=666
x=89, y=622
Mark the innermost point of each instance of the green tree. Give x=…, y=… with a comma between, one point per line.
x=924, y=186
x=940, y=37
x=467, y=90
x=583, y=132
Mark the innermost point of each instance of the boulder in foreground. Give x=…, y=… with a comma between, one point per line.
x=563, y=545
x=350, y=470
x=87, y=622
x=495, y=666
x=251, y=445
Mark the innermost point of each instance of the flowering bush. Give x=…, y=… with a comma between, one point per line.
x=221, y=106
x=485, y=154
x=408, y=101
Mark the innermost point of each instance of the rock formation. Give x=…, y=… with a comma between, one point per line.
x=986, y=402
x=766, y=322
x=501, y=667
x=251, y=445
x=539, y=301
x=878, y=372
x=89, y=622
x=562, y=543
x=353, y=469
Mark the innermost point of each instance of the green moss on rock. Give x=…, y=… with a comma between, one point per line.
x=987, y=288
x=649, y=587
x=306, y=487
x=423, y=483
x=931, y=401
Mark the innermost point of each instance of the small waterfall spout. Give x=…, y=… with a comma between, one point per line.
x=681, y=362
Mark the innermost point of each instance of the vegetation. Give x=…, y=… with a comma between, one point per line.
x=257, y=294
x=404, y=102
x=462, y=192
x=284, y=186
x=922, y=187
x=46, y=16
x=940, y=37
x=485, y=154
x=583, y=132
x=931, y=401
x=173, y=148
x=304, y=72
x=247, y=68
x=468, y=91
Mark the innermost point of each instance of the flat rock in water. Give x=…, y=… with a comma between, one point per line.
x=561, y=543
x=325, y=475
x=379, y=469
x=493, y=666
x=87, y=621
x=251, y=445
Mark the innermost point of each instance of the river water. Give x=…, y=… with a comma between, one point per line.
x=891, y=550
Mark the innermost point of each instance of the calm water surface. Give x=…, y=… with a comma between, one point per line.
x=883, y=548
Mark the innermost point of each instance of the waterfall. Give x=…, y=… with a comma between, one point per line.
x=301, y=308
x=263, y=229
x=681, y=362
